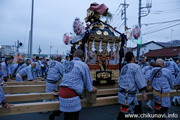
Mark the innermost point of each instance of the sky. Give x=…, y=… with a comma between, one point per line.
x=53, y=18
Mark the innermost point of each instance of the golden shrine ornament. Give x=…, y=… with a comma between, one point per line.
x=99, y=32
x=105, y=33
x=91, y=27
x=111, y=30
x=101, y=27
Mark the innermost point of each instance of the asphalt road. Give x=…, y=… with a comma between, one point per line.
x=108, y=112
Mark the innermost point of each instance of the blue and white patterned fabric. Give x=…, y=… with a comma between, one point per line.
x=172, y=66
x=37, y=69
x=177, y=82
x=50, y=87
x=143, y=65
x=19, y=79
x=44, y=67
x=1, y=76
x=178, y=79
x=76, y=77
x=65, y=62
x=2, y=96
x=14, y=68
x=21, y=67
x=131, y=75
x=6, y=69
x=179, y=65
x=162, y=80
x=70, y=104
x=55, y=71
x=44, y=62
x=27, y=72
x=146, y=71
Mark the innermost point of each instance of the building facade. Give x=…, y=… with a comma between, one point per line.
x=7, y=50
x=146, y=47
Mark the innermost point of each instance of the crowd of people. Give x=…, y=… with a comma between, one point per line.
x=141, y=77
x=157, y=76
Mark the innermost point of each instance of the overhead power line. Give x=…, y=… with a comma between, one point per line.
x=161, y=22
x=166, y=2
x=165, y=12
x=117, y=9
x=158, y=26
x=161, y=29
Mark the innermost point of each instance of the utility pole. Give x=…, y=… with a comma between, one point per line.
x=139, y=23
x=123, y=17
x=123, y=13
x=31, y=31
x=29, y=43
x=17, y=47
x=148, y=7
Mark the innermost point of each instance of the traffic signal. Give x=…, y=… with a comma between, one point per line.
x=139, y=41
x=20, y=44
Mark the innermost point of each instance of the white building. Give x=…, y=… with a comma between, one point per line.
x=146, y=47
x=6, y=50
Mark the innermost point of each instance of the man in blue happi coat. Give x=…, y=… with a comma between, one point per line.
x=143, y=63
x=173, y=67
x=146, y=71
x=26, y=72
x=177, y=81
x=75, y=78
x=6, y=68
x=55, y=73
x=131, y=81
x=162, y=82
x=15, y=67
x=27, y=63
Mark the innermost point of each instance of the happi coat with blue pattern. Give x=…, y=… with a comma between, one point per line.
x=178, y=79
x=55, y=71
x=6, y=69
x=2, y=96
x=76, y=77
x=37, y=69
x=131, y=75
x=21, y=67
x=1, y=77
x=26, y=72
x=146, y=71
x=173, y=67
x=162, y=80
x=143, y=65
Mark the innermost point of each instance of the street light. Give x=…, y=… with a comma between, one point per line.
x=50, y=50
